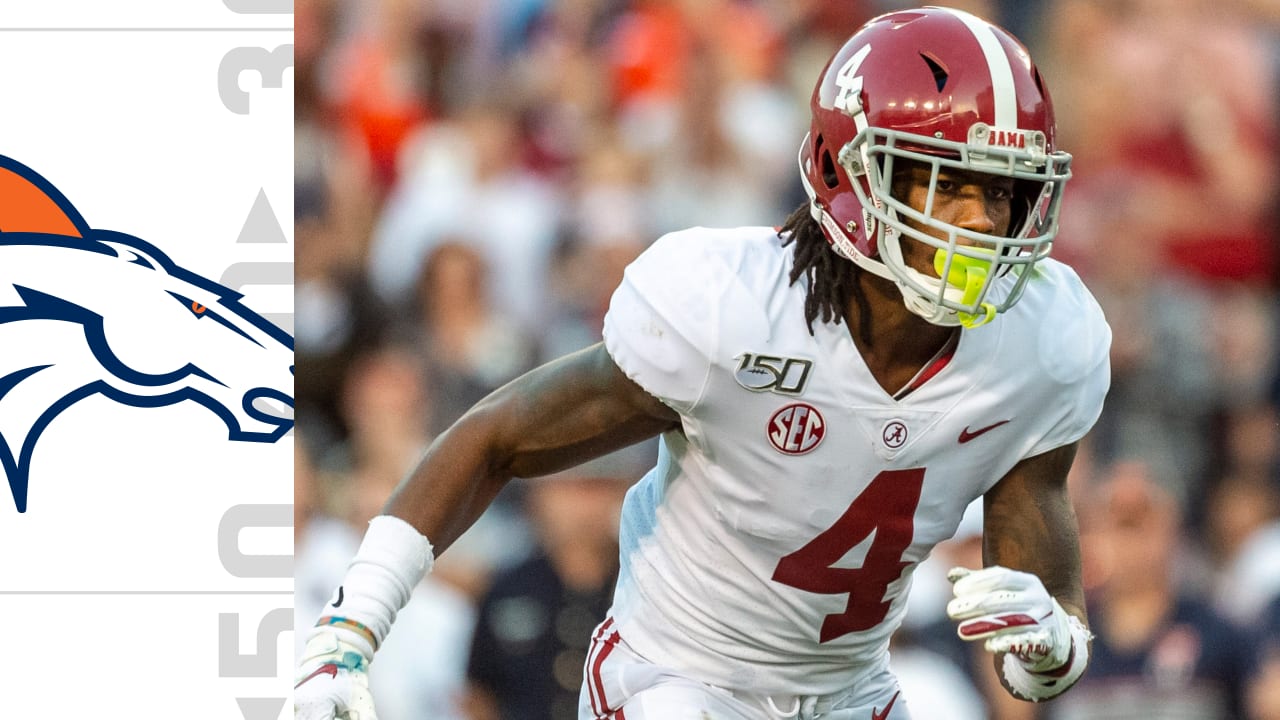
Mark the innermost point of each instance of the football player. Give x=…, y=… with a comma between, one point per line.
x=830, y=397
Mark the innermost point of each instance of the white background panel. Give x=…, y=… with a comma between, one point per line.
x=145, y=657
x=145, y=13
x=113, y=580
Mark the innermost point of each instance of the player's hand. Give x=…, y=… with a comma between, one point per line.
x=1013, y=613
x=332, y=681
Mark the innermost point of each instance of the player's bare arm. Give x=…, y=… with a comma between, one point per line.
x=1030, y=525
x=1027, y=604
x=559, y=415
x=564, y=413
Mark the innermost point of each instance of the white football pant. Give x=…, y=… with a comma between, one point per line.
x=618, y=684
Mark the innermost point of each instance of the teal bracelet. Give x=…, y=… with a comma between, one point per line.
x=352, y=625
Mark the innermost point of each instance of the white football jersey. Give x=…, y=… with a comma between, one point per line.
x=772, y=546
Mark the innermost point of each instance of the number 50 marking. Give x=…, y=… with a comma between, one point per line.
x=262, y=663
x=887, y=507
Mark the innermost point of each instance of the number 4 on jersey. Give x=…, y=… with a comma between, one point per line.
x=887, y=508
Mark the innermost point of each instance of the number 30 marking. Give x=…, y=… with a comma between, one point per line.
x=887, y=508
x=271, y=66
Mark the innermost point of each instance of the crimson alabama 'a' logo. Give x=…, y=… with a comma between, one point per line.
x=894, y=434
x=796, y=429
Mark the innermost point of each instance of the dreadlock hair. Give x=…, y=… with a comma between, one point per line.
x=831, y=277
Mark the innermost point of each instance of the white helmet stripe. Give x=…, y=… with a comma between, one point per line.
x=1006, y=99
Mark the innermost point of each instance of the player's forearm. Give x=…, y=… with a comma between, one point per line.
x=515, y=431
x=450, y=487
x=554, y=417
x=1051, y=555
x=1030, y=526
x=559, y=415
x=453, y=483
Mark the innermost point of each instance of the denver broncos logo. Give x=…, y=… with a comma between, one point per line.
x=85, y=311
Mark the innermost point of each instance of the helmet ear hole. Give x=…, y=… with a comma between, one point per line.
x=829, y=176
x=938, y=70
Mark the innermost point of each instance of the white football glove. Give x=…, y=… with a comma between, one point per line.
x=1046, y=650
x=1013, y=613
x=332, y=681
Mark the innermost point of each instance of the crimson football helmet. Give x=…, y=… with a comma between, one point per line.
x=943, y=88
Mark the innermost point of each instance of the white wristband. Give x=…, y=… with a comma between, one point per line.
x=391, y=561
x=1036, y=686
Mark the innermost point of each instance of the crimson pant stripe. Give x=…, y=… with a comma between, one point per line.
x=609, y=644
x=593, y=679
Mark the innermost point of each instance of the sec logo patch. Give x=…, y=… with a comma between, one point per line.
x=796, y=429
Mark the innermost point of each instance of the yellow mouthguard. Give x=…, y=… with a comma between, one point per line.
x=967, y=274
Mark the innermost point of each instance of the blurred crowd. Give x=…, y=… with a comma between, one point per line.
x=473, y=175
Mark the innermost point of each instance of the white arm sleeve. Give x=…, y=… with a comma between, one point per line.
x=1074, y=350
x=662, y=319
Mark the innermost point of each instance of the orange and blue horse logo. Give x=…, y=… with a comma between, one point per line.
x=86, y=311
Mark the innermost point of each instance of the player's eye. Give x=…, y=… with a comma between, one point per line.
x=1000, y=191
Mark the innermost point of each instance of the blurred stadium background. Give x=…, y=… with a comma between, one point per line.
x=473, y=175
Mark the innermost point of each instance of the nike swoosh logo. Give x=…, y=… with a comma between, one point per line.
x=338, y=602
x=885, y=713
x=978, y=627
x=966, y=435
x=329, y=669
